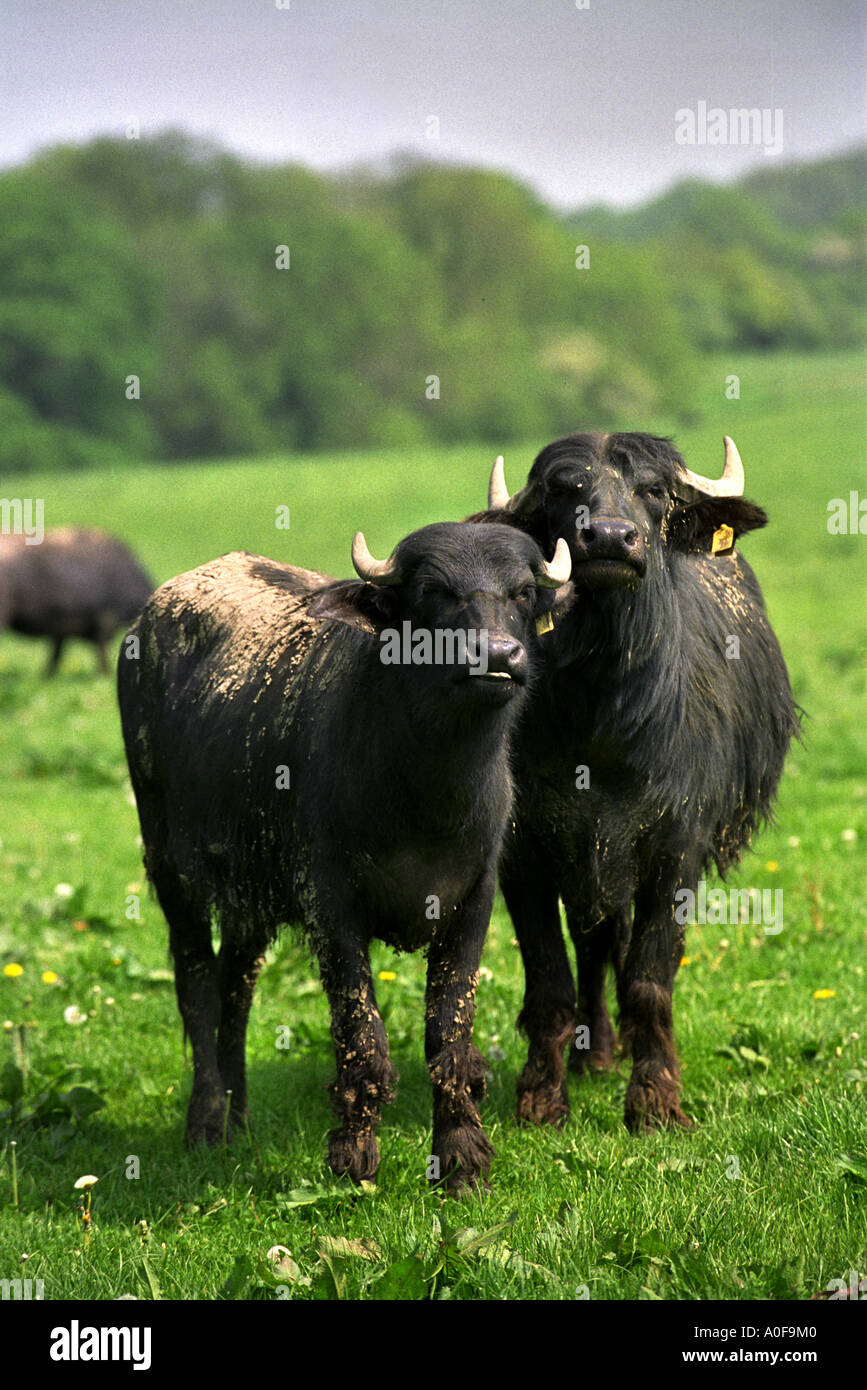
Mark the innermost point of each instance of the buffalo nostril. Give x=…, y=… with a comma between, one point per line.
x=517, y=660
x=611, y=535
x=507, y=656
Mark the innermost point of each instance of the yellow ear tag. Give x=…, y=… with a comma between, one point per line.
x=723, y=539
x=544, y=624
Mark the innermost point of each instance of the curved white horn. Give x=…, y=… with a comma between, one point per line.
x=498, y=493
x=369, y=569
x=731, y=484
x=555, y=572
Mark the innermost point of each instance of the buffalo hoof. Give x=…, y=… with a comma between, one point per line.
x=600, y=1058
x=465, y=1156
x=354, y=1153
x=545, y=1105
x=206, y=1121
x=650, y=1107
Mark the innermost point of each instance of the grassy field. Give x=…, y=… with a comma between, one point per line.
x=765, y=1198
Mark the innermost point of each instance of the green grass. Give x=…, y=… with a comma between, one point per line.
x=772, y=1074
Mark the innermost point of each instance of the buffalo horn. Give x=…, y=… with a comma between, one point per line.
x=555, y=572
x=498, y=493
x=369, y=569
x=731, y=484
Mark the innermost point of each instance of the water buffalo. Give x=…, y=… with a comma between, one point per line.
x=652, y=747
x=73, y=583
x=292, y=765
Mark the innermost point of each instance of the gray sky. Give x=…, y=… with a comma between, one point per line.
x=579, y=103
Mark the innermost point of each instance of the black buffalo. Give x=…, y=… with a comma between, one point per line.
x=73, y=583
x=289, y=767
x=652, y=748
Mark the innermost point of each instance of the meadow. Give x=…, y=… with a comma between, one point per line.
x=765, y=1198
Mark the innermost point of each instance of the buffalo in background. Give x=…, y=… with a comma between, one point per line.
x=652, y=748
x=73, y=583
x=284, y=773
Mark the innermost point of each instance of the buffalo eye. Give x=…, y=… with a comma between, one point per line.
x=431, y=588
x=656, y=492
x=559, y=487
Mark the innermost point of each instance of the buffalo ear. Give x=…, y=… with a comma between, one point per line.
x=369, y=607
x=552, y=605
x=692, y=525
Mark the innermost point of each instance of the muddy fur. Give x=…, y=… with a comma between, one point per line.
x=396, y=794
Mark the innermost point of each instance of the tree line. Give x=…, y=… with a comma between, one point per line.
x=162, y=298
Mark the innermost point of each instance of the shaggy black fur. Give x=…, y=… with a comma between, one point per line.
x=684, y=745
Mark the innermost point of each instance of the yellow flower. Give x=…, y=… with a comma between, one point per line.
x=87, y=1181
x=772, y=866
x=824, y=993
x=13, y=970
x=50, y=977
x=686, y=960
x=387, y=975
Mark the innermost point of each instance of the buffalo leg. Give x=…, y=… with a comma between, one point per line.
x=106, y=625
x=592, y=950
x=238, y=967
x=644, y=988
x=54, y=656
x=548, y=1013
x=199, y=1004
x=365, y=1079
x=456, y=1067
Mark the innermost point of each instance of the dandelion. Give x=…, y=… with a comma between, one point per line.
x=485, y=973
x=724, y=943
x=849, y=835
x=824, y=993
x=794, y=841
x=63, y=890
x=85, y=1184
x=13, y=970
x=50, y=977
x=74, y=1015
x=387, y=975
x=8, y=1025
x=686, y=960
x=772, y=866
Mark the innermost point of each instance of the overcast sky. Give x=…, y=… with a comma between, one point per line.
x=579, y=103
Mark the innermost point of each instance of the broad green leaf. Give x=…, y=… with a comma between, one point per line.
x=405, y=1281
